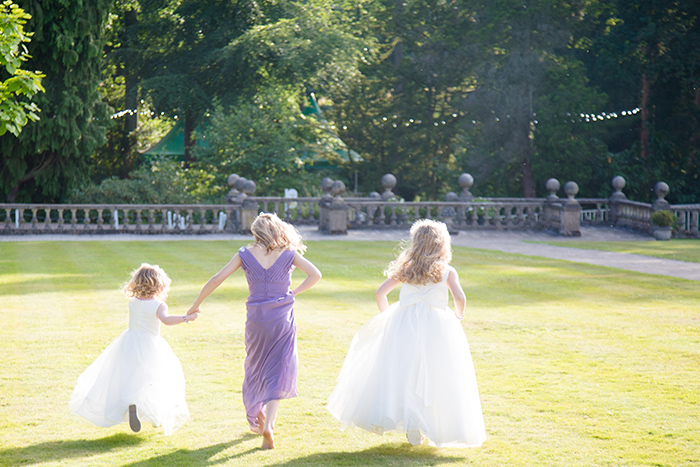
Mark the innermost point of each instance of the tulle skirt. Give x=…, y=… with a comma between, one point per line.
x=410, y=370
x=136, y=368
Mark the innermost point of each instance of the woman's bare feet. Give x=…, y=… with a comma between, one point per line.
x=268, y=440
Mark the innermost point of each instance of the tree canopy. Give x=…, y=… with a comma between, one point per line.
x=580, y=90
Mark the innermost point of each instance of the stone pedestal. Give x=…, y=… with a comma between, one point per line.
x=334, y=213
x=337, y=219
x=571, y=212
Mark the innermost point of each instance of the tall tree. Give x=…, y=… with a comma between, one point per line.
x=644, y=55
x=402, y=114
x=49, y=156
x=529, y=87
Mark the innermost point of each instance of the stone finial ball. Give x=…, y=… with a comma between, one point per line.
x=618, y=183
x=249, y=187
x=553, y=185
x=238, y=185
x=231, y=180
x=571, y=189
x=388, y=181
x=337, y=188
x=661, y=189
x=326, y=184
x=466, y=181
x=374, y=195
x=451, y=196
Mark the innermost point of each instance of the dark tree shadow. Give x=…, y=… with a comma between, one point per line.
x=401, y=454
x=61, y=450
x=196, y=457
x=389, y=454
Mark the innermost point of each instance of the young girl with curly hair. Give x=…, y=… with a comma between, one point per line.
x=409, y=368
x=137, y=378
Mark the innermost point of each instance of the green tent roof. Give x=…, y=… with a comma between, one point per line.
x=173, y=143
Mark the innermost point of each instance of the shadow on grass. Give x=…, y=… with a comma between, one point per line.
x=389, y=454
x=197, y=457
x=60, y=450
x=401, y=454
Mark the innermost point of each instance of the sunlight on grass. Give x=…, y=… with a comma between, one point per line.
x=577, y=365
x=677, y=249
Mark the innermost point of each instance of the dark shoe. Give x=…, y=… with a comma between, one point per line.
x=134, y=422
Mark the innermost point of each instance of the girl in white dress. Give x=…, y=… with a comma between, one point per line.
x=409, y=368
x=137, y=378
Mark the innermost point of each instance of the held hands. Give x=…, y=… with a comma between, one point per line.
x=193, y=310
x=189, y=317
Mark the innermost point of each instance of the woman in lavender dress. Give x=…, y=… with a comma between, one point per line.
x=270, y=331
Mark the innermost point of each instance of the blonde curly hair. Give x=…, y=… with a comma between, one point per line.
x=272, y=233
x=147, y=281
x=424, y=257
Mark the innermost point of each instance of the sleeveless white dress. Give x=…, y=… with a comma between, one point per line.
x=409, y=369
x=138, y=367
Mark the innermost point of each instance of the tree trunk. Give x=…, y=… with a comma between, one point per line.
x=524, y=148
x=45, y=164
x=644, y=134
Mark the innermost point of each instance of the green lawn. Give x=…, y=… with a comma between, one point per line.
x=681, y=250
x=577, y=365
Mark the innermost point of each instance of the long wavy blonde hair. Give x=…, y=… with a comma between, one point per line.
x=272, y=233
x=424, y=257
x=147, y=281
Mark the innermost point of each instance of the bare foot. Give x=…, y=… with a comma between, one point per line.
x=268, y=440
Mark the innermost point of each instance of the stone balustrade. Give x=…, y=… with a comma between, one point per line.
x=116, y=218
x=335, y=214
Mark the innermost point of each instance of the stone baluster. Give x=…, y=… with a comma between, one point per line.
x=34, y=218
x=73, y=217
x=47, y=219
x=151, y=220
x=100, y=221
x=138, y=222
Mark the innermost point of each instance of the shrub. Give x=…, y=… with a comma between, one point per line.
x=663, y=219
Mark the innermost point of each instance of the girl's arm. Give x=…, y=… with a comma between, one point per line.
x=383, y=290
x=165, y=318
x=215, y=282
x=457, y=293
x=313, y=275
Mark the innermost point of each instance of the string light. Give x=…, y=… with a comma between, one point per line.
x=582, y=117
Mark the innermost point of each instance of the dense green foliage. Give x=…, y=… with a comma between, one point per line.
x=50, y=155
x=581, y=90
x=16, y=83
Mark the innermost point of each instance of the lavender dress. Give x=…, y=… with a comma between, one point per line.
x=270, y=334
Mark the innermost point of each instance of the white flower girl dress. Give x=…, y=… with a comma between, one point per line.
x=138, y=368
x=409, y=369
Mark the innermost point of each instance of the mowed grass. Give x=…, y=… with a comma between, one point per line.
x=577, y=365
x=677, y=249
